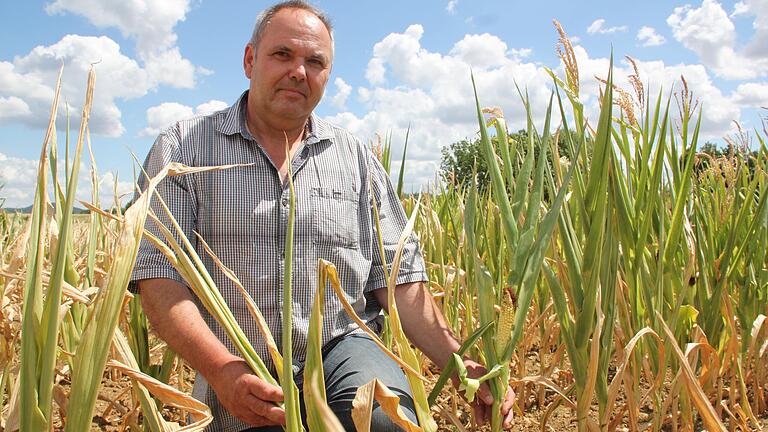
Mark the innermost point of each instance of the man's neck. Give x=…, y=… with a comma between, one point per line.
x=271, y=134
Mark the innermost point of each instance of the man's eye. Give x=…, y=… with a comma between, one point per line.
x=282, y=54
x=316, y=62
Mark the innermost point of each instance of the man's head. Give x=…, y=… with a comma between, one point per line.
x=266, y=15
x=288, y=62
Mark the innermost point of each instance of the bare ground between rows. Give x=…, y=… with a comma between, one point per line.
x=114, y=408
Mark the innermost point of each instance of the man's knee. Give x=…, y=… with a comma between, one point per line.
x=380, y=422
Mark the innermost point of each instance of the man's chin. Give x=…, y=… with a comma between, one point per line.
x=291, y=112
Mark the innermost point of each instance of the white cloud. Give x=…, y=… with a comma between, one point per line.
x=210, y=107
x=31, y=78
x=27, y=83
x=161, y=116
x=740, y=8
x=480, y=51
x=343, y=90
x=13, y=107
x=375, y=71
x=170, y=68
x=597, y=27
x=149, y=22
x=757, y=48
x=752, y=94
x=648, y=37
x=19, y=179
x=521, y=53
x=710, y=33
x=451, y=7
x=719, y=109
x=107, y=181
x=432, y=92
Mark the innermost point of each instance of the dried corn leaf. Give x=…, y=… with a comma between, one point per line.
x=708, y=415
x=200, y=413
x=362, y=407
x=261, y=323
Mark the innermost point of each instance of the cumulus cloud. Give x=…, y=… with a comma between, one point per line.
x=431, y=91
x=756, y=48
x=597, y=27
x=709, y=32
x=161, y=116
x=19, y=178
x=740, y=8
x=27, y=82
x=648, y=37
x=12, y=108
x=150, y=22
x=343, y=90
x=451, y=7
x=481, y=51
x=31, y=79
x=752, y=94
x=108, y=182
x=719, y=109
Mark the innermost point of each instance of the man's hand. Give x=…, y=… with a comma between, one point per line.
x=425, y=326
x=174, y=316
x=246, y=396
x=482, y=406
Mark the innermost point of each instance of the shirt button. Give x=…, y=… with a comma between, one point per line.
x=284, y=201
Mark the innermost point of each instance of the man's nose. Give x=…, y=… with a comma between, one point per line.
x=298, y=71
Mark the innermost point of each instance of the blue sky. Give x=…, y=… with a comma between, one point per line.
x=397, y=63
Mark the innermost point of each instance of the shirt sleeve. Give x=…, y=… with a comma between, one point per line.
x=178, y=195
x=392, y=220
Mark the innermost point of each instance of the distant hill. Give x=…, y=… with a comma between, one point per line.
x=28, y=209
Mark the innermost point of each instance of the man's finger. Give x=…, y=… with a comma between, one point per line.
x=506, y=408
x=267, y=410
x=509, y=401
x=265, y=391
x=484, y=393
x=478, y=411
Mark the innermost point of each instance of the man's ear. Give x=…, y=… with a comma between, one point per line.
x=248, y=60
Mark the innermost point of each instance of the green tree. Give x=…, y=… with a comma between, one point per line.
x=461, y=159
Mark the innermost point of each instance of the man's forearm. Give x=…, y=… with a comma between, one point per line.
x=422, y=321
x=176, y=319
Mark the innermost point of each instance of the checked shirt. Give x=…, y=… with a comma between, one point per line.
x=242, y=213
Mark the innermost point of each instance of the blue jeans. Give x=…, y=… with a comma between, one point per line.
x=350, y=362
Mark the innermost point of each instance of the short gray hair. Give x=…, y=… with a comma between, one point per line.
x=267, y=14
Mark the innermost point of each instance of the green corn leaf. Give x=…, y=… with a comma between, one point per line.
x=36, y=416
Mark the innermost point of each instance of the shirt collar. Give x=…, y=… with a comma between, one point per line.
x=235, y=117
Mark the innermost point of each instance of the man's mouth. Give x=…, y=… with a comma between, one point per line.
x=294, y=91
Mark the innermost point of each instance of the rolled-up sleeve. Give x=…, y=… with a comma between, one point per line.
x=393, y=221
x=178, y=195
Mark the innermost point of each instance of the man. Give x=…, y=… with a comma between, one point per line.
x=242, y=214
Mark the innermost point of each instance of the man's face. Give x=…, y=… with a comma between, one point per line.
x=290, y=67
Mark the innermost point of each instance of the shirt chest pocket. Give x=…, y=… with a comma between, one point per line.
x=335, y=217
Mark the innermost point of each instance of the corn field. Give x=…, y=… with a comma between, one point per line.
x=623, y=283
